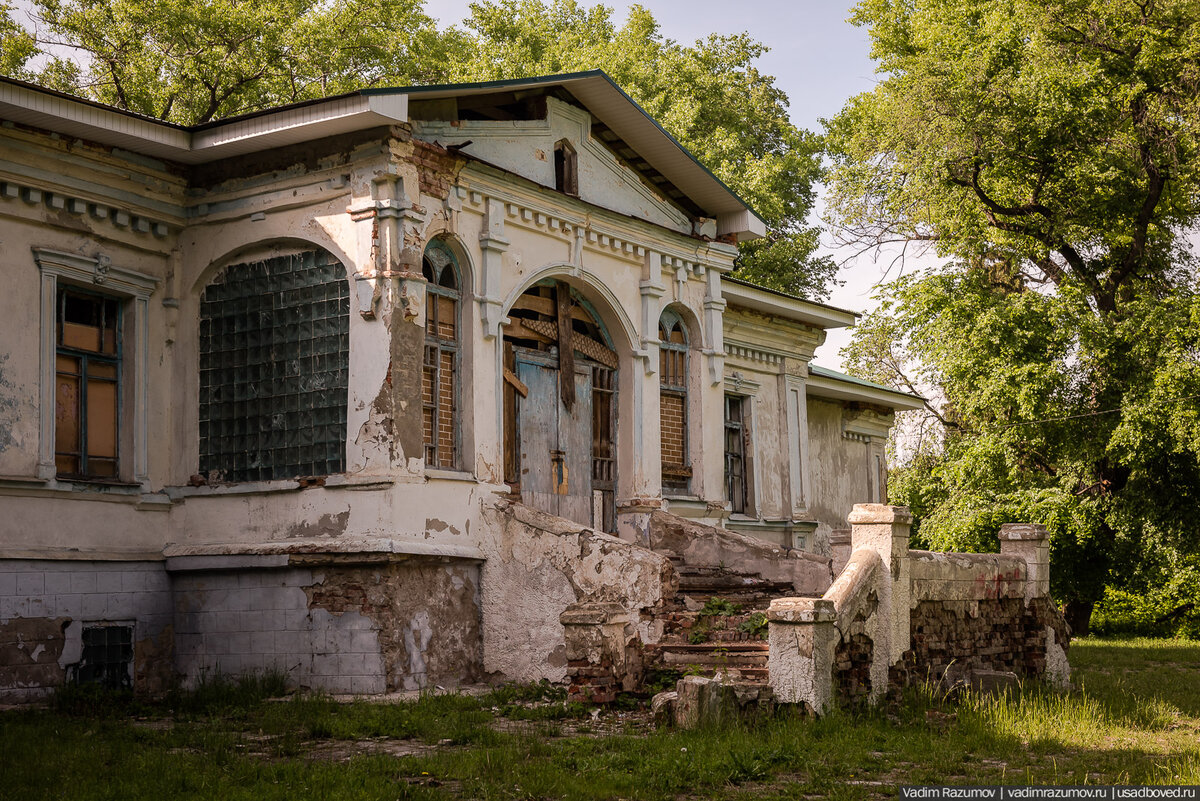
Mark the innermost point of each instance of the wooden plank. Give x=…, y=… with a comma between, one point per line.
x=517, y=383
x=566, y=350
x=523, y=329
x=585, y=345
x=547, y=307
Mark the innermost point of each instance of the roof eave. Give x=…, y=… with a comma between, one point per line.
x=288, y=125
x=779, y=305
x=838, y=389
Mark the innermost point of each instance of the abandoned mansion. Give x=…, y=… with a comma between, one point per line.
x=373, y=390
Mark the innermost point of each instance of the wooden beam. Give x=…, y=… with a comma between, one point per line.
x=516, y=383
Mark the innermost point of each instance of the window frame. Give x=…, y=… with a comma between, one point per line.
x=668, y=322
x=566, y=168
x=86, y=357
x=439, y=345
x=132, y=290
x=742, y=426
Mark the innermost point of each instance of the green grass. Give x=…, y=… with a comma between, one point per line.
x=1134, y=717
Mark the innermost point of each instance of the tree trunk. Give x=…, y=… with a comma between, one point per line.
x=1079, y=616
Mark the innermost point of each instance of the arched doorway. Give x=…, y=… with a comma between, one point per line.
x=560, y=401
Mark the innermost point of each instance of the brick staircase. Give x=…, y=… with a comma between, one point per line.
x=715, y=623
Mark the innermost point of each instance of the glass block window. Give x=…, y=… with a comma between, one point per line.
x=107, y=656
x=274, y=369
x=439, y=378
x=673, y=402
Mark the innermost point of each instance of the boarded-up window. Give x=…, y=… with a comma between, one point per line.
x=439, y=380
x=274, y=369
x=87, y=385
x=673, y=402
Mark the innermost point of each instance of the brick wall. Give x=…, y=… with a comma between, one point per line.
x=45, y=605
x=994, y=634
x=673, y=427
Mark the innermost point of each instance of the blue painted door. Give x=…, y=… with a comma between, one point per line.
x=555, y=443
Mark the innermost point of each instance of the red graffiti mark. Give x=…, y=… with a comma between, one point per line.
x=995, y=585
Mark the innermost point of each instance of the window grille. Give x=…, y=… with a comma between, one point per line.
x=107, y=657
x=274, y=369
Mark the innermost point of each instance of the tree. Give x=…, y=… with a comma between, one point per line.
x=17, y=46
x=193, y=62
x=1049, y=147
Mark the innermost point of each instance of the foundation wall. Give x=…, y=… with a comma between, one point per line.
x=343, y=629
x=45, y=606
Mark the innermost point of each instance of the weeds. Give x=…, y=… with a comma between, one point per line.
x=1133, y=719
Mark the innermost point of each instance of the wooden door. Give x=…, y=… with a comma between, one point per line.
x=555, y=444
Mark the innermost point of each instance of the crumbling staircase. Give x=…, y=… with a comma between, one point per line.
x=715, y=623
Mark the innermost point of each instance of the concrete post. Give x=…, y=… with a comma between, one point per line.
x=885, y=529
x=1031, y=543
x=802, y=640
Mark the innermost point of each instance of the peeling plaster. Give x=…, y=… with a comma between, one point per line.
x=328, y=525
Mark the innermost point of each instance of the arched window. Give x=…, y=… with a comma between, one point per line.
x=673, y=402
x=274, y=369
x=566, y=168
x=439, y=382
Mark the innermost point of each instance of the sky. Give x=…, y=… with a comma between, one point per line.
x=817, y=58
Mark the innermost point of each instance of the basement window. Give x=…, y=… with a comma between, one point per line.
x=566, y=168
x=107, y=657
x=274, y=369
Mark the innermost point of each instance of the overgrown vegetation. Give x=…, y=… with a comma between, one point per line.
x=1135, y=718
x=1050, y=152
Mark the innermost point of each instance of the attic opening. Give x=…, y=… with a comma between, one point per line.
x=560, y=402
x=566, y=168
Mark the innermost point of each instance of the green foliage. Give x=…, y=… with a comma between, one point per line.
x=220, y=694
x=17, y=46
x=194, y=61
x=716, y=606
x=1051, y=151
x=755, y=625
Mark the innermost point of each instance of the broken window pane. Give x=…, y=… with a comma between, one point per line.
x=274, y=369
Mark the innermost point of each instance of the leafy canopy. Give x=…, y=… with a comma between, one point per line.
x=1049, y=148
x=193, y=61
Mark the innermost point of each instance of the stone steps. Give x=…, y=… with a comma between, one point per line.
x=721, y=645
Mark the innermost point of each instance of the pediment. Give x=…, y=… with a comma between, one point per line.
x=526, y=147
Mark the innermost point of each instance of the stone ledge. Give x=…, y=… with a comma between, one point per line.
x=866, y=514
x=801, y=610
x=1023, y=531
